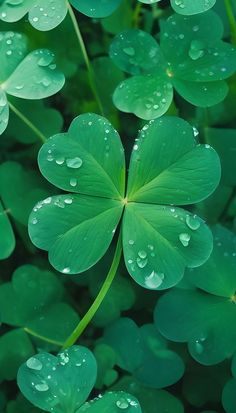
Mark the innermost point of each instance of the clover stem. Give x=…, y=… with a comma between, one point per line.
x=86, y=58
x=43, y=338
x=28, y=122
x=231, y=19
x=136, y=15
x=99, y=299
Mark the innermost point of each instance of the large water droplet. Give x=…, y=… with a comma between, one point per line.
x=141, y=263
x=129, y=51
x=154, y=280
x=42, y=387
x=34, y=364
x=122, y=404
x=184, y=239
x=142, y=254
x=196, y=50
x=193, y=222
x=73, y=181
x=74, y=162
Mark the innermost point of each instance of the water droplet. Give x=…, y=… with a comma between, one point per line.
x=154, y=280
x=42, y=387
x=68, y=201
x=129, y=51
x=184, y=239
x=34, y=364
x=66, y=270
x=192, y=222
x=142, y=254
x=74, y=163
x=46, y=59
x=122, y=404
x=141, y=263
x=196, y=50
x=73, y=181
x=34, y=221
x=131, y=242
x=60, y=160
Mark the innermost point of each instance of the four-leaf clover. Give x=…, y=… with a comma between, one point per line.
x=191, y=58
x=167, y=167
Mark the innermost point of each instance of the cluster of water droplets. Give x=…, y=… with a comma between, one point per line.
x=182, y=4
x=9, y=42
x=54, y=13
x=71, y=163
x=125, y=402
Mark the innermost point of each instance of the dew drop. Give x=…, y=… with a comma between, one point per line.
x=60, y=160
x=192, y=222
x=74, y=163
x=129, y=51
x=34, y=364
x=42, y=387
x=184, y=239
x=66, y=270
x=154, y=280
x=142, y=254
x=73, y=181
x=122, y=404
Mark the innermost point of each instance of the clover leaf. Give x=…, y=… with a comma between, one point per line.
x=189, y=7
x=191, y=58
x=43, y=14
x=151, y=400
x=63, y=383
x=228, y=394
x=142, y=352
x=180, y=315
x=39, y=308
x=159, y=240
x=34, y=76
x=96, y=8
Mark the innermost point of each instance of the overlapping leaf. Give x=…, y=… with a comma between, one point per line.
x=144, y=352
x=181, y=314
x=63, y=383
x=33, y=300
x=191, y=58
x=34, y=76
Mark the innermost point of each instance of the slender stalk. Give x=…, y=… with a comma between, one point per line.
x=86, y=58
x=100, y=297
x=136, y=15
x=231, y=18
x=48, y=340
x=24, y=119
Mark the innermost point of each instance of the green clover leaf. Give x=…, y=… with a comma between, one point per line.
x=43, y=14
x=34, y=76
x=63, y=383
x=159, y=240
x=96, y=8
x=180, y=315
x=142, y=352
x=151, y=400
x=39, y=308
x=228, y=394
x=189, y=7
x=191, y=58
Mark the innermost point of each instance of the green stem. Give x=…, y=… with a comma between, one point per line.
x=48, y=340
x=86, y=58
x=136, y=15
x=28, y=122
x=231, y=18
x=100, y=297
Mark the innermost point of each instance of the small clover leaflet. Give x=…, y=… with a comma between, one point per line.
x=32, y=76
x=180, y=315
x=159, y=240
x=39, y=308
x=142, y=352
x=63, y=383
x=187, y=7
x=191, y=58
